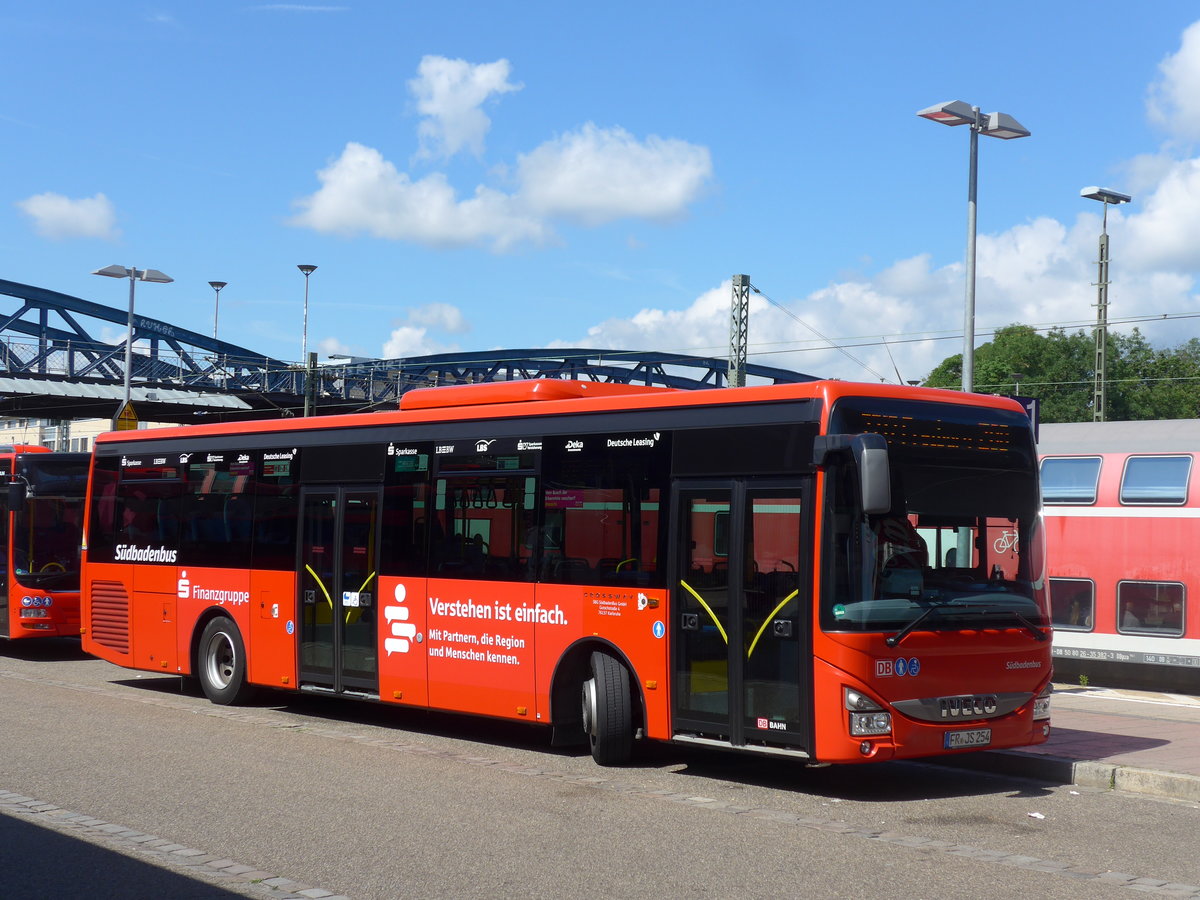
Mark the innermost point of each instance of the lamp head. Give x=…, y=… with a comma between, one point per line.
x=1003, y=126
x=952, y=112
x=1104, y=195
x=137, y=274
x=307, y=270
x=114, y=272
x=217, y=285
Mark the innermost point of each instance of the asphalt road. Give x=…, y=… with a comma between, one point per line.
x=122, y=784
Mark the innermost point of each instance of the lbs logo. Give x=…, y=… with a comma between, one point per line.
x=885, y=668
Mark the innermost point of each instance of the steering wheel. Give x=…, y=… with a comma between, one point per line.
x=53, y=565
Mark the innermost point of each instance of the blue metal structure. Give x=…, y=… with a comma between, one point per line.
x=51, y=367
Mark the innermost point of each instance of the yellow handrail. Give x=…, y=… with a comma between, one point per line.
x=707, y=609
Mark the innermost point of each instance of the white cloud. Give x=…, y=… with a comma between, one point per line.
x=450, y=94
x=331, y=346
x=362, y=192
x=413, y=337
x=597, y=175
x=58, y=217
x=441, y=316
x=1163, y=234
x=1174, y=100
x=590, y=176
x=409, y=340
x=909, y=317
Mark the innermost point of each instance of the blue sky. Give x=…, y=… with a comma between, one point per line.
x=522, y=175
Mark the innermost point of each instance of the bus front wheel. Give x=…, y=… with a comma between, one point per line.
x=221, y=662
x=608, y=711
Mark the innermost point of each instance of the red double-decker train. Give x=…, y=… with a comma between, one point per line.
x=1122, y=511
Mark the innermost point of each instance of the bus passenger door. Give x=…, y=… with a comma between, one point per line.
x=338, y=579
x=740, y=615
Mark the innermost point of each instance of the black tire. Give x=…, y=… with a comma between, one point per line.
x=221, y=663
x=608, y=711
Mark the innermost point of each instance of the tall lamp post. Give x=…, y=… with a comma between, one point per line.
x=134, y=275
x=997, y=125
x=216, y=286
x=307, y=270
x=1108, y=198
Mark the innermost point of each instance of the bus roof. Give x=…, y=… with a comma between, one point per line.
x=535, y=397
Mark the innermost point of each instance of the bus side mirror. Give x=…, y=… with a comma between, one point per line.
x=874, y=473
x=870, y=455
x=16, y=496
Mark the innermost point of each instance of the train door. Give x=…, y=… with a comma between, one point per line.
x=741, y=614
x=338, y=583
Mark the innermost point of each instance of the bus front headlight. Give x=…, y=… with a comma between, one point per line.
x=867, y=718
x=1041, y=704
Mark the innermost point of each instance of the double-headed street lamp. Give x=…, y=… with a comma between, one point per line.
x=134, y=275
x=1108, y=198
x=997, y=125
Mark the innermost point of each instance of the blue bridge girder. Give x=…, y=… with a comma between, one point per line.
x=52, y=367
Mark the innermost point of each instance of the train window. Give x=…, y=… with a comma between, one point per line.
x=1070, y=479
x=1156, y=479
x=1072, y=604
x=1150, y=607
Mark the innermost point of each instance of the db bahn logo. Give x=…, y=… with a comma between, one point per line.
x=885, y=668
x=970, y=706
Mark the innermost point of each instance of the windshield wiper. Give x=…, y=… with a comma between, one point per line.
x=1028, y=625
x=908, y=629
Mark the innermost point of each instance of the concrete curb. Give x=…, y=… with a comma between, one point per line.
x=1084, y=773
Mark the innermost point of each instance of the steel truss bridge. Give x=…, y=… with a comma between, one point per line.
x=52, y=367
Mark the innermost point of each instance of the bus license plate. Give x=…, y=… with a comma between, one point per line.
x=979, y=737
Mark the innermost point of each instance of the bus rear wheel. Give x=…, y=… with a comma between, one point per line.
x=221, y=663
x=608, y=711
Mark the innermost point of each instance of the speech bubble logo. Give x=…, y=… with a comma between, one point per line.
x=397, y=618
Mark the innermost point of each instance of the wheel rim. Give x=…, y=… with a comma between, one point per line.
x=220, y=660
x=589, y=708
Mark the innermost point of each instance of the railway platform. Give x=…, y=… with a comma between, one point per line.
x=1137, y=741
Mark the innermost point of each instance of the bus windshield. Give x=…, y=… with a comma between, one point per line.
x=962, y=545
x=46, y=529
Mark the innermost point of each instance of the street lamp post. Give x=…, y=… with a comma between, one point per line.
x=1108, y=198
x=134, y=275
x=307, y=270
x=216, y=286
x=997, y=125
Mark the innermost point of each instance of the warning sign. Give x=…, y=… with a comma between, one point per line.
x=126, y=419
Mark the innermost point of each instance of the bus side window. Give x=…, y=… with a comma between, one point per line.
x=276, y=512
x=102, y=530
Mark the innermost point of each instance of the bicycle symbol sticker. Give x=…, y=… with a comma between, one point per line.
x=1006, y=543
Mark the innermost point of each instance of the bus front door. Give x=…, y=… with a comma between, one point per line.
x=338, y=583
x=740, y=622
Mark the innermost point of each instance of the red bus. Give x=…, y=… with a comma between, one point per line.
x=41, y=523
x=1122, y=508
x=804, y=570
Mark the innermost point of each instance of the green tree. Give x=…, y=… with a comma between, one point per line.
x=1059, y=368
